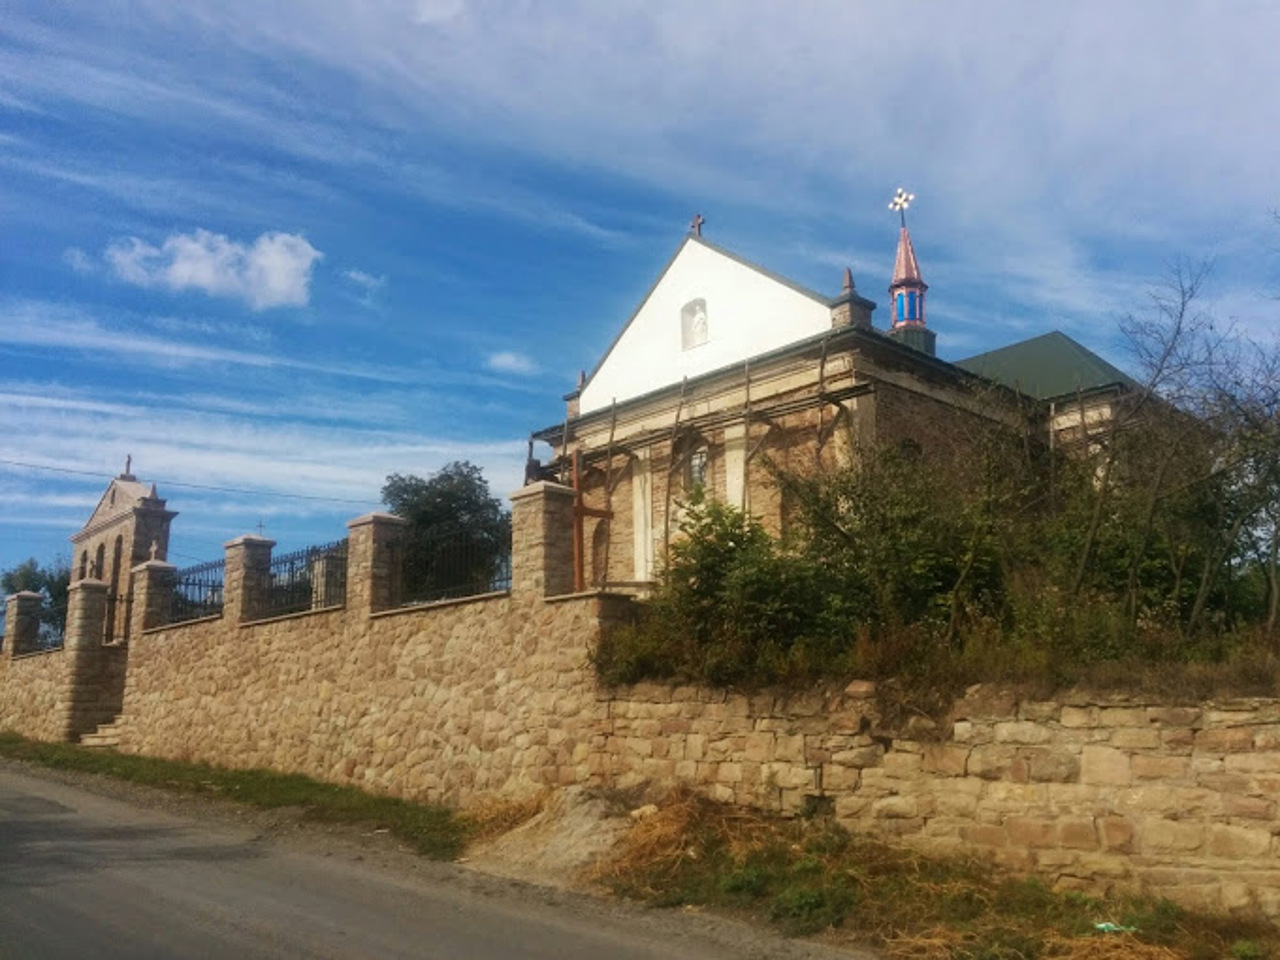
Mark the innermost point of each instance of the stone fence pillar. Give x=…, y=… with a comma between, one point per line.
x=375, y=562
x=247, y=578
x=542, y=540
x=86, y=620
x=21, y=622
x=153, y=585
x=86, y=614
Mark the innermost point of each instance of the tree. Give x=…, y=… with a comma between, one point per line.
x=459, y=537
x=50, y=582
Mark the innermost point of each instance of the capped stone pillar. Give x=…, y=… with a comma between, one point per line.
x=21, y=622
x=153, y=586
x=542, y=539
x=375, y=562
x=86, y=614
x=247, y=577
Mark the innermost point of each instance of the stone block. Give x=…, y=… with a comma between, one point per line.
x=895, y=808
x=1250, y=763
x=1249, y=808
x=991, y=762
x=1078, y=717
x=1029, y=832
x=945, y=760
x=1174, y=716
x=985, y=835
x=1135, y=738
x=789, y=748
x=1105, y=766
x=1022, y=731
x=1164, y=836
x=1116, y=833
x=903, y=765
x=859, y=757
x=1077, y=833
x=1122, y=716
x=1267, y=737
x=1051, y=765
x=1147, y=767
x=1238, y=843
x=1221, y=740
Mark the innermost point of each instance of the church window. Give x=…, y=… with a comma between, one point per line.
x=902, y=306
x=695, y=474
x=693, y=324
x=911, y=305
x=84, y=564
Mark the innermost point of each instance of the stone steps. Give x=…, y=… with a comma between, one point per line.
x=107, y=736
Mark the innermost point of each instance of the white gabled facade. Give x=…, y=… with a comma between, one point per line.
x=708, y=310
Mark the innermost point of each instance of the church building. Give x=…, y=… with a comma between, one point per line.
x=727, y=371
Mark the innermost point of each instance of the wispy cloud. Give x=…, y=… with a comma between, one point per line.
x=79, y=261
x=509, y=361
x=273, y=271
x=365, y=281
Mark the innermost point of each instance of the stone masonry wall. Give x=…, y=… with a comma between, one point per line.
x=32, y=694
x=1090, y=793
x=440, y=703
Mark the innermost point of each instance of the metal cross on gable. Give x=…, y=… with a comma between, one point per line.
x=695, y=225
x=901, y=200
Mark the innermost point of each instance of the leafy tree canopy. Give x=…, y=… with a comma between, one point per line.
x=52, y=581
x=459, y=537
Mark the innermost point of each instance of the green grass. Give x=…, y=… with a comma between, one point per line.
x=811, y=876
x=433, y=831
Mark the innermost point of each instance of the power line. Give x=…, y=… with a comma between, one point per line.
x=189, y=486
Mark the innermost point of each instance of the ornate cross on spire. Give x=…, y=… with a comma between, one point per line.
x=901, y=200
x=695, y=225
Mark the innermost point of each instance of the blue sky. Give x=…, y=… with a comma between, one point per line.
x=290, y=248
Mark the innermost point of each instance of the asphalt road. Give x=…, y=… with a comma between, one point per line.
x=84, y=875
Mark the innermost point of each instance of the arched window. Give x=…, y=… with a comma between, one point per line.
x=100, y=562
x=84, y=564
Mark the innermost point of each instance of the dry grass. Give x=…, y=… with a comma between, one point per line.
x=811, y=876
x=492, y=817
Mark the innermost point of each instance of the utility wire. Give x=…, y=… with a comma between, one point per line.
x=188, y=486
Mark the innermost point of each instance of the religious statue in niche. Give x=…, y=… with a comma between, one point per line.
x=693, y=323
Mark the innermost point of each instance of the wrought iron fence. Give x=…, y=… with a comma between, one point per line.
x=196, y=592
x=305, y=580
x=451, y=561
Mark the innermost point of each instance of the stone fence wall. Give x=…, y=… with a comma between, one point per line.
x=63, y=693
x=496, y=695
x=1091, y=793
x=440, y=702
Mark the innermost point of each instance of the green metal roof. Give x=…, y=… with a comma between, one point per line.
x=1048, y=366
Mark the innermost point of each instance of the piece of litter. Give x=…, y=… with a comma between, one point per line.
x=1110, y=927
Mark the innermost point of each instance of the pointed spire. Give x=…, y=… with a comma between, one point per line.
x=906, y=268
x=848, y=280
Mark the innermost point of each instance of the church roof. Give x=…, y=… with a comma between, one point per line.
x=906, y=268
x=1047, y=366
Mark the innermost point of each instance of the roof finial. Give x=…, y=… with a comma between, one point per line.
x=695, y=225
x=128, y=467
x=901, y=200
x=848, y=280
x=155, y=548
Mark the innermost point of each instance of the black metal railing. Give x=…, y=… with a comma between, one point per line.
x=196, y=592
x=452, y=561
x=304, y=580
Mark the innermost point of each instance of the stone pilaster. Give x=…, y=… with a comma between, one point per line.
x=21, y=622
x=542, y=540
x=247, y=577
x=86, y=620
x=153, y=585
x=375, y=562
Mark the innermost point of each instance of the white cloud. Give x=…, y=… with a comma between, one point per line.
x=365, y=281
x=79, y=261
x=508, y=361
x=275, y=271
